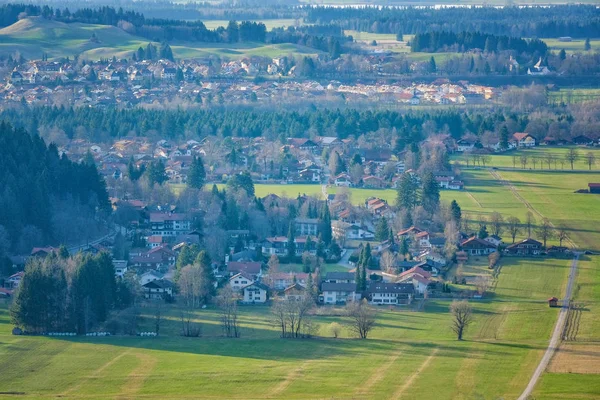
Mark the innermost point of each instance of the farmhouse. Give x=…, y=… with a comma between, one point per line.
x=255, y=293
x=295, y=292
x=476, y=246
x=345, y=230
x=526, y=247
x=306, y=226
x=339, y=277
x=169, y=224
x=523, y=139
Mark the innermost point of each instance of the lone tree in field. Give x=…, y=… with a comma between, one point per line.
x=571, y=156
x=462, y=316
x=562, y=236
x=545, y=231
x=362, y=318
x=514, y=227
x=590, y=159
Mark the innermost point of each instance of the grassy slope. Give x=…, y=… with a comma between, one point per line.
x=35, y=36
x=502, y=347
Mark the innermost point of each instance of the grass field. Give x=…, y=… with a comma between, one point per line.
x=571, y=96
x=269, y=23
x=411, y=355
x=34, y=36
x=575, y=46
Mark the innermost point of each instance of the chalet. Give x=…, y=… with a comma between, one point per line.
x=463, y=145
x=523, y=139
x=43, y=252
x=373, y=182
x=239, y=281
x=526, y=247
x=256, y=292
x=344, y=230
x=306, y=226
x=16, y=77
x=158, y=289
x=251, y=268
x=476, y=246
x=390, y=293
x=149, y=276
x=295, y=292
x=303, y=144
x=309, y=175
x=338, y=293
x=494, y=239
x=419, y=278
x=342, y=180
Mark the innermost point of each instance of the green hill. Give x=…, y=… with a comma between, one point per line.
x=34, y=36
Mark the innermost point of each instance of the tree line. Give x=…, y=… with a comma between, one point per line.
x=68, y=294
x=464, y=41
x=580, y=21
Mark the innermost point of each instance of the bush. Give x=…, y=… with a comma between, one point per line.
x=335, y=329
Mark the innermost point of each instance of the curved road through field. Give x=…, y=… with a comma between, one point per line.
x=562, y=315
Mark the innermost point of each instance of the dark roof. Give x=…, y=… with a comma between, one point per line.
x=338, y=287
x=525, y=241
x=339, y=275
x=250, y=267
x=159, y=283
x=383, y=287
x=258, y=285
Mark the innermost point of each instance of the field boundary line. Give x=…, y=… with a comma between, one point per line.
x=378, y=374
x=292, y=375
x=95, y=373
x=409, y=381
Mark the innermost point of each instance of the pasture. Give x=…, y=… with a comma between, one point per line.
x=34, y=36
x=411, y=355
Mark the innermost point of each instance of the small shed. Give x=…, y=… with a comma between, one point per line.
x=553, y=302
x=594, y=187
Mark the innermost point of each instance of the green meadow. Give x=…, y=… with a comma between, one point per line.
x=410, y=355
x=34, y=36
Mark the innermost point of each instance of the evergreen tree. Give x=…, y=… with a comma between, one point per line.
x=382, y=230
x=206, y=271
x=432, y=66
x=366, y=264
x=587, y=46
x=291, y=245
x=483, y=233
x=504, y=137
x=455, y=211
x=430, y=198
x=407, y=192
x=404, y=246
x=325, y=225
x=196, y=174
x=156, y=173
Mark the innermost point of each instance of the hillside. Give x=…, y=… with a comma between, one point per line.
x=34, y=36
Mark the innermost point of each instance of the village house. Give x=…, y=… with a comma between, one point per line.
x=13, y=281
x=149, y=276
x=494, y=239
x=338, y=292
x=342, y=180
x=294, y=292
x=256, y=292
x=418, y=277
x=277, y=245
x=523, y=139
x=306, y=226
x=476, y=246
x=169, y=224
x=343, y=230
x=339, y=277
x=282, y=280
x=158, y=289
x=249, y=268
x=383, y=293
x=526, y=247
x=120, y=267
x=239, y=281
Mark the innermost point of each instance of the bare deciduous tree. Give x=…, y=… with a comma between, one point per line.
x=524, y=159
x=189, y=328
x=529, y=222
x=514, y=226
x=388, y=261
x=482, y=283
x=496, y=220
x=291, y=316
x=462, y=316
x=362, y=318
x=571, y=156
x=562, y=236
x=335, y=329
x=590, y=159
x=545, y=231
x=228, y=311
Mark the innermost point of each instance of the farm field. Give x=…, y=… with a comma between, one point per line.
x=574, y=372
x=571, y=96
x=505, y=160
x=34, y=36
x=412, y=355
x=575, y=46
